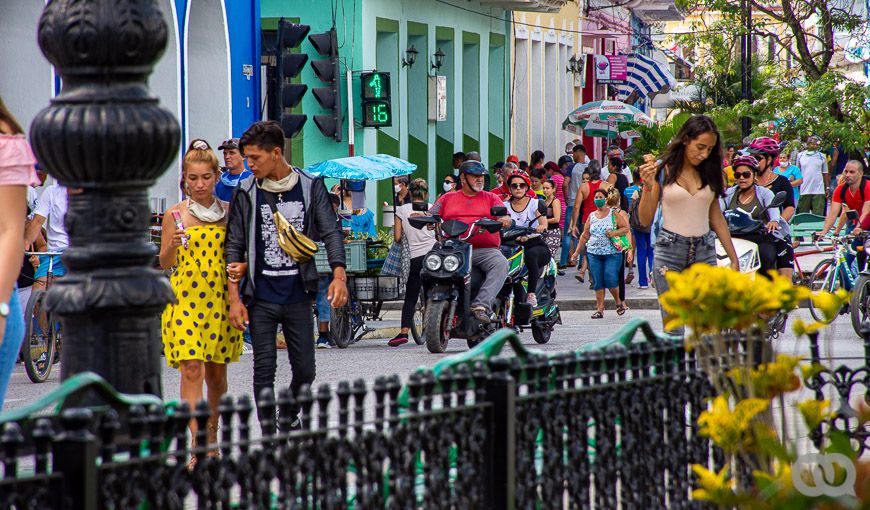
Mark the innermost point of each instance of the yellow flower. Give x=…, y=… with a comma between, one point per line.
x=729, y=429
x=714, y=487
x=814, y=412
x=801, y=328
x=830, y=303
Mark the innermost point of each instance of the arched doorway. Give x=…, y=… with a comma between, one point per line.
x=208, y=95
x=26, y=82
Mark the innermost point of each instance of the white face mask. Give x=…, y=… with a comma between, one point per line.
x=397, y=188
x=447, y=186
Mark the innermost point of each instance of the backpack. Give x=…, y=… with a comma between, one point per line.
x=633, y=220
x=864, y=181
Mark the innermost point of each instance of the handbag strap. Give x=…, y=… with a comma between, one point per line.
x=270, y=200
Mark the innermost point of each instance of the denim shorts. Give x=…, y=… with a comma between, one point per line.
x=674, y=252
x=604, y=270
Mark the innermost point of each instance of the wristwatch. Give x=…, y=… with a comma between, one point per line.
x=4, y=310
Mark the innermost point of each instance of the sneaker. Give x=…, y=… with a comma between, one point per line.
x=400, y=339
x=246, y=348
x=643, y=287
x=481, y=314
x=532, y=300
x=560, y=272
x=322, y=343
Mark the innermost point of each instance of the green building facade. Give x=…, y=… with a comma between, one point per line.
x=375, y=34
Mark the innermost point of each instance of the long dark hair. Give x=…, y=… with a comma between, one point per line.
x=536, y=157
x=7, y=118
x=710, y=169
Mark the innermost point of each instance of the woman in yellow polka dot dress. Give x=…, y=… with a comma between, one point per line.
x=197, y=335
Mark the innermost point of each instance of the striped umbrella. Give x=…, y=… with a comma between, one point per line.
x=606, y=119
x=646, y=76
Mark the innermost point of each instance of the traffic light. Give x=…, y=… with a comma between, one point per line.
x=376, y=105
x=328, y=71
x=287, y=66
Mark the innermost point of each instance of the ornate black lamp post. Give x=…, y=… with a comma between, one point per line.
x=106, y=134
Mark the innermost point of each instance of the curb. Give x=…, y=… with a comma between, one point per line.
x=574, y=305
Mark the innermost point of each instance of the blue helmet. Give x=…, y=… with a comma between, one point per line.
x=472, y=167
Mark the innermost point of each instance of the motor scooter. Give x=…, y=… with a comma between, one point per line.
x=741, y=222
x=450, y=282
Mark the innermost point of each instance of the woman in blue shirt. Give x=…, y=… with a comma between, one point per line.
x=361, y=221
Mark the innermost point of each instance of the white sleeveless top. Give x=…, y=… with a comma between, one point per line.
x=527, y=217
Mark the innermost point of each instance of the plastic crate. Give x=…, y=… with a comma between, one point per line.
x=354, y=254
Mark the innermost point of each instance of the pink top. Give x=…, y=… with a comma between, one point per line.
x=16, y=162
x=684, y=213
x=559, y=179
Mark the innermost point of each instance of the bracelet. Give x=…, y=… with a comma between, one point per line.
x=647, y=187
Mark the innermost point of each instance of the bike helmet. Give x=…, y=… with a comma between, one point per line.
x=518, y=174
x=765, y=145
x=472, y=167
x=745, y=161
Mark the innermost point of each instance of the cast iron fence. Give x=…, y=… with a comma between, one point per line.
x=609, y=428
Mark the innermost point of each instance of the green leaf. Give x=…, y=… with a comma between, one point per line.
x=839, y=442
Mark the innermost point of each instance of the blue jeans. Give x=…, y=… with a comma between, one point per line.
x=644, y=256
x=11, y=343
x=604, y=270
x=323, y=306
x=567, y=240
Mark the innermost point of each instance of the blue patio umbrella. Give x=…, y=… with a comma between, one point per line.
x=372, y=167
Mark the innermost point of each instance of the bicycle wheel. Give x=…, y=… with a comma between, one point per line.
x=417, y=322
x=40, y=339
x=824, y=277
x=340, y=326
x=860, y=305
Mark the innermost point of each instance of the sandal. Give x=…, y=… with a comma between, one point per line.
x=598, y=315
x=579, y=277
x=621, y=309
x=629, y=278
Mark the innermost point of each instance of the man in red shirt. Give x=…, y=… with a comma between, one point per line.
x=856, y=199
x=470, y=204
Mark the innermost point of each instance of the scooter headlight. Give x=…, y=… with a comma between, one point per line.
x=433, y=262
x=746, y=261
x=451, y=263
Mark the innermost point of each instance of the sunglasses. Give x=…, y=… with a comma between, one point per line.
x=519, y=186
x=742, y=175
x=758, y=157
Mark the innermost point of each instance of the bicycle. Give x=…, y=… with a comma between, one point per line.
x=799, y=277
x=347, y=324
x=832, y=274
x=42, y=336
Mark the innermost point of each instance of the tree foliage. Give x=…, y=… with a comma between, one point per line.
x=805, y=30
x=832, y=107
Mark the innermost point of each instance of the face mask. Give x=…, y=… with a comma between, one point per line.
x=599, y=202
x=447, y=186
x=397, y=188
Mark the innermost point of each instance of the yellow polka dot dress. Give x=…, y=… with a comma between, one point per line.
x=198, y=326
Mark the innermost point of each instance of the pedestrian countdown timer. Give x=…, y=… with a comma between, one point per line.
x=376, y=106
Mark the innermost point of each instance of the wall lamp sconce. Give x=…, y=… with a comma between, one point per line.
x=438, y=59
x=574, y=65
x=410, y=56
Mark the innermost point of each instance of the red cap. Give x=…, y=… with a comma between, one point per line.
x=512, y=159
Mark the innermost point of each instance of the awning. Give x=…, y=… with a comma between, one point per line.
x=646, y=76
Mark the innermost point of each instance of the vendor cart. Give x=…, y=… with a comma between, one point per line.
x=368, y=290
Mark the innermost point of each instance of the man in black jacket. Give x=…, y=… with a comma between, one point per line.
x=266, y=286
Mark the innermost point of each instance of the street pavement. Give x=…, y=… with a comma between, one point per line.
x=371, y=358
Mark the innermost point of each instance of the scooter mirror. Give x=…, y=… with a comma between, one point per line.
x=778, y=200
x=490, y=226
x=419, y=206
x=498, y=211
x=421, y=222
